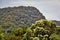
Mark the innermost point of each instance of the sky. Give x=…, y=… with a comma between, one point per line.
x=49, y=8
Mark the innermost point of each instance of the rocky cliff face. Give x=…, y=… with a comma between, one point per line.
x=21, y=15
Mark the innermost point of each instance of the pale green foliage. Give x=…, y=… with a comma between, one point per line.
x=46, y=24
x=1, y=36
x=40, y=30
x=43, y=29
x=54, y=37
x=36, y=38
x=18, y=32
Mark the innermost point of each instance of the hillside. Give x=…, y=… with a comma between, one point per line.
x=57, y=22
x=16, y=24
x=21, y=15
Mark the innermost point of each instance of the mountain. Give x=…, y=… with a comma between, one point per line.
x=20, y=16
x=57, y=22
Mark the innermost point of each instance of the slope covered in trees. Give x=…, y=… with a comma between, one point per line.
x=21, y=15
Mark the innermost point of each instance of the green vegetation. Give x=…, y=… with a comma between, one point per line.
x=40, y=30
x=58, y=30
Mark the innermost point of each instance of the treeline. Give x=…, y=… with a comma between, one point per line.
x=40, y=30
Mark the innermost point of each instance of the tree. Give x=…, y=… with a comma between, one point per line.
x=43, y=27
x=46, y=24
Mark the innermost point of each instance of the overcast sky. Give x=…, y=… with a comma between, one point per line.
x=49, y=8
